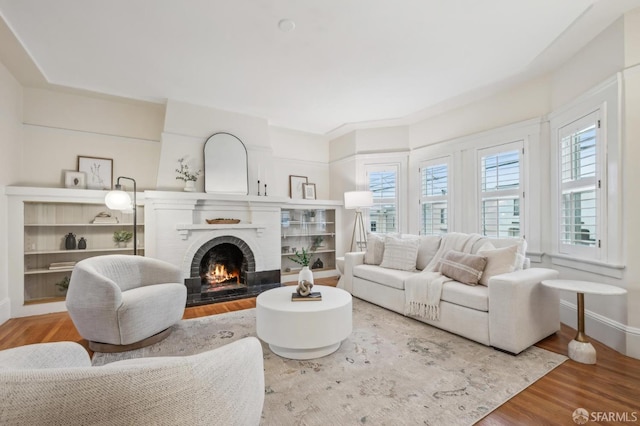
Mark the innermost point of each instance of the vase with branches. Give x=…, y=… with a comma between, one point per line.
x=122, y=237
x=185, y=174
x=303, y=258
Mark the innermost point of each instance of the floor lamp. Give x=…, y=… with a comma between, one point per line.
x=120, y=200
x=358, y=200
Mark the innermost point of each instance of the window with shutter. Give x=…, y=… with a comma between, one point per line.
x=383, y=215
x=579, y=203
x=500, y=194
x=434, y=198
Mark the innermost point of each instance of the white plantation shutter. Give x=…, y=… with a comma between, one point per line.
x=500, y=193
x=383, y=183
x=434, y=198
x=579, y=184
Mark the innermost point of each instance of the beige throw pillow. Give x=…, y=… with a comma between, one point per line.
x=375, y=249
x=429, y=245
x=400, y=253
x=463, y=267
x=499, y=261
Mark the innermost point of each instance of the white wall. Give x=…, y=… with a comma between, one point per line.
x=631, y=171
x=10, y=139
x=60, y=126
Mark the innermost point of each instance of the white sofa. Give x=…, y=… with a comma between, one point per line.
x=55, y=384
x=511, y=313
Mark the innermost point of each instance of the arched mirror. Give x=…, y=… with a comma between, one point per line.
x=225, y=165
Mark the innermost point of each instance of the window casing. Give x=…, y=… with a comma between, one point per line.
x=580, y=215
x=434, y=197
x=501, y=197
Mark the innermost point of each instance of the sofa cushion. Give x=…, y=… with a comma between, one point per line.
x=520, y=243
x=429, y=245
x=463, y=267
x=474, y=297
x=375, y=249
x=400, y=253
x=387, y=277
x=499, y=261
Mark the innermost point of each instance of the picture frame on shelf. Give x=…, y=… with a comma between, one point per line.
x=98, y=170
x=73, y=179
x=296, y=189
x=309, y=191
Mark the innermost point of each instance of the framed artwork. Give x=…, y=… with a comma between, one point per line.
x=296, y=190
x=309, y=190
x=99, y=171
x=74, y=179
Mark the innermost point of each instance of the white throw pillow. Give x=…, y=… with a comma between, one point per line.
x=521, y=253
x=400, y=253
x=375, y=249
x=429, y=245
x=499, y=261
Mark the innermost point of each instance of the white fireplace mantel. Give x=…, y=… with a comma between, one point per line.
x=185, y=229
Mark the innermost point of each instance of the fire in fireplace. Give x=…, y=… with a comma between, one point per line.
x=224, y=268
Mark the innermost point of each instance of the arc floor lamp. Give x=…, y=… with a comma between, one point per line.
x=120, y=200
x=358, y=200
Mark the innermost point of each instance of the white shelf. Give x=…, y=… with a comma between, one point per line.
x=317, y=251
x=310, y=234
x=80, y=251
x=61, y=225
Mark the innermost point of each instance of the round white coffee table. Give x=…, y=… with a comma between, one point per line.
x=304, y=329
x=580, y=349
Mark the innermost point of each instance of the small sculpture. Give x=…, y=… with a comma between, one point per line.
x=304, y=288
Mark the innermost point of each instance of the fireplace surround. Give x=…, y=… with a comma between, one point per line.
x=177, y=232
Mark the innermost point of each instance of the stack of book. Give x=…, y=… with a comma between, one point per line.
x=61, y=265
x=314, y=295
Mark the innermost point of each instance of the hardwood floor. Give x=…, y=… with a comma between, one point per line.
x=607, y=389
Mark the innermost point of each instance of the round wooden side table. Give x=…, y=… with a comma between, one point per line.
x=580, y=349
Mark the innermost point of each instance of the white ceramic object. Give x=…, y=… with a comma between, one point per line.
x=305, y=274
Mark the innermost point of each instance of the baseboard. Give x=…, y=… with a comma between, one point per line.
x=5, y=310
x=614, y=334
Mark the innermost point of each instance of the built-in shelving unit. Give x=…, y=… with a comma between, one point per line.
x=314, y=229
x=40, y=220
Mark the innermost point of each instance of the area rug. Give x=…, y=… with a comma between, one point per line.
x=392, y=370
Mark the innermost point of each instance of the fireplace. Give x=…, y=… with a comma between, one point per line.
x=224, y=269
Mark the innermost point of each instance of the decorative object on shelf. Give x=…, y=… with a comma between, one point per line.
x=222, y=221
x=317, y=240
x=120, y=200
x=99, y=171
x=82, y=243
x=296, y=186
x=265, y=189
x=73, y=179
x=70, y=241
x=358, y=200
x=317, y=264
x=309, y=190
x=63, y=285
x=105, y=218
x=122, y=237
x=285, y=249
x=304, y=288
x=61, y=265
x=187, y=176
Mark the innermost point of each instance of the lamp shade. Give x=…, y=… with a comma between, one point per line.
x=118, y=200
x=358, y=199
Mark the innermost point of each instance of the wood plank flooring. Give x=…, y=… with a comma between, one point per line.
x=611, y=385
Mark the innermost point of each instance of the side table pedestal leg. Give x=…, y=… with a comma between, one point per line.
x=580, y=349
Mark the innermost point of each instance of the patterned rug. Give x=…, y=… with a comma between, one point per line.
x=392, y=370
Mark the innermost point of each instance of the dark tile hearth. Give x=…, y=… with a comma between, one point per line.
x=207, y=296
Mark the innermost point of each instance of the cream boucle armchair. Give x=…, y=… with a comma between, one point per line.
x=120, y=302
x=55, y=384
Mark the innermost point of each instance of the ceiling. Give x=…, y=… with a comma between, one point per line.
x=346, y=61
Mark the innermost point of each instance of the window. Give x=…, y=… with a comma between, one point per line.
x=383, y=215
x=579, y=184
x=500, y=195
x=434, y=198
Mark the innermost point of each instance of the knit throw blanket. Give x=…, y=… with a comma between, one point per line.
x=422, y=296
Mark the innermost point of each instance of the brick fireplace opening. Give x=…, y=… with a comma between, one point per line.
x=224, y=269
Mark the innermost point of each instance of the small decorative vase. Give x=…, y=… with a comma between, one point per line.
x=82, y=244
x=70, y=241
x=305, y=275
x=190, y=185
